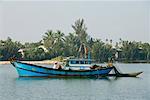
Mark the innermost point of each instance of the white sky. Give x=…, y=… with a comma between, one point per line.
x=28, y=21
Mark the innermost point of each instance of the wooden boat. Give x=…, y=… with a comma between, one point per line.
x=125, y=74
x=73, y=68
x=31, y=70
x=119, y=74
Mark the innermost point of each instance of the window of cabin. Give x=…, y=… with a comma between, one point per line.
x=77, y=62
x=81, y=62
x=74, y=62
x=89, y=62
x=86, y=62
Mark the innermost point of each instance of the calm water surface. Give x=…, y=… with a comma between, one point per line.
x=14, y=88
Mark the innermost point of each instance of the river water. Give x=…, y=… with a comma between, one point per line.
x=14, y=88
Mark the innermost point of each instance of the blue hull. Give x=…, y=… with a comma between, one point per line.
x=25, y=69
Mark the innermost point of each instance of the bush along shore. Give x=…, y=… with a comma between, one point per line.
x=76, y=44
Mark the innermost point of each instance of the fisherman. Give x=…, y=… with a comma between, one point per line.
x=93, y=67
x=110, y=64
x=55, y=65
x=59, y=66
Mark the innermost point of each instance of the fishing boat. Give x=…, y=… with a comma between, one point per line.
x=31, y=70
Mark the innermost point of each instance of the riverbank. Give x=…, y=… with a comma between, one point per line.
x=31, y=62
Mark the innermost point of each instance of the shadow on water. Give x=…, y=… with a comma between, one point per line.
x=64, y=78
x=109, y=79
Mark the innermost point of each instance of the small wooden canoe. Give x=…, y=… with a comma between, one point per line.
x=126, y=74
x=119, y=74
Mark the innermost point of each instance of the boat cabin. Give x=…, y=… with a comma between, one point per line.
x=78, y=63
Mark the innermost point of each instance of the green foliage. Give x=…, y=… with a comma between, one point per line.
x=9, y=49
x=34, y=54
x=134, y=51
x=54, y=42
x=80, y=29
x=32, y=45
x=57, y=45
x=71, y=45
x=101, y=51
x=49, y=39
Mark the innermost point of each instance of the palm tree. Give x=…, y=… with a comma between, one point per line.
x=72, y=43
x=49, y=39
x=54, y=42
x=80, y=29
x=59, y=36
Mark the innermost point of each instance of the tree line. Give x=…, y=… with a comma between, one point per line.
x=77, y=44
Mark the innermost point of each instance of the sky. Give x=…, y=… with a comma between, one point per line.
x=27, y=21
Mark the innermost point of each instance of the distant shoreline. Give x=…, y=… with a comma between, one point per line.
x=30, y=62
x=52, y=62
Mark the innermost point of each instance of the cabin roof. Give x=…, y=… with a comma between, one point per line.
x=80, y=60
